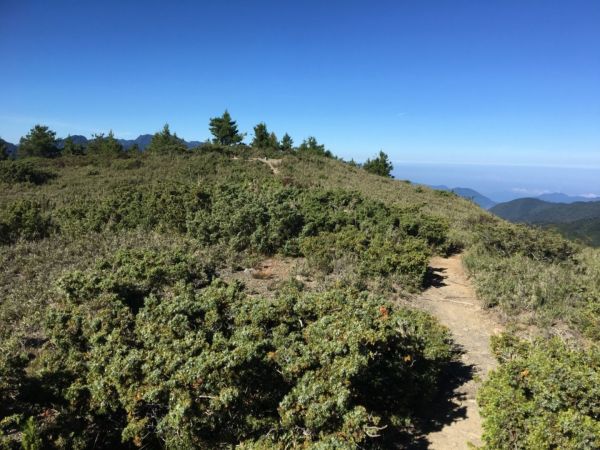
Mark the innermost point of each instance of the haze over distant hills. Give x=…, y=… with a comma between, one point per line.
x=470, y=194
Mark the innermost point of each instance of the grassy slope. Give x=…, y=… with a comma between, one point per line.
x=90, y=180
x=525, y=273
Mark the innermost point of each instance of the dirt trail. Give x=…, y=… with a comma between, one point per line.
x=451, y=298
x=272, y=163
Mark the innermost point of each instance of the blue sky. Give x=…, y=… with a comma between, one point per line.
x=491, y=82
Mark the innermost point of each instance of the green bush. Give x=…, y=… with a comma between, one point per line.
x=189, y=366
x=512, y=239
x=13, y=361
x=544, y=396
x=24, y=219
x=23, y=171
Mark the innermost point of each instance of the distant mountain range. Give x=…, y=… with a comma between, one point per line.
x=578, y=220
x=142, y=141
x=487, y=203
x=469, y=194
x=558, y=197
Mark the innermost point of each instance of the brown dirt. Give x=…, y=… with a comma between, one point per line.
x=264, y=278
x=454, y=422
x=272, y=163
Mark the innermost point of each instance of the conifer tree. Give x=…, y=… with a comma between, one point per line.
x=225, y=130
x=165, y=142
x=287, y=143
x=40, y=141
x=263, y=139
x=379, y=166
x=72, y=148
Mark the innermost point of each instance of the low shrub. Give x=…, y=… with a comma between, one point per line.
x=508, y=240
x=23, y=171
x=544, y=395
x=24, y=219
x=207, y=367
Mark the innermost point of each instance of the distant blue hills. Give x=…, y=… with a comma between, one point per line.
x=488, y=203
x=469, y=194
x=142, y=142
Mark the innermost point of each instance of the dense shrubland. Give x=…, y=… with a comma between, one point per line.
x=150, y=348
x=119, y=329
x=545, y=395
x=121, y=332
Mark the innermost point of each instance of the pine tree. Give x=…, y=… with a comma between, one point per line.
x=310, y=145
x=40, y=141
x=105, y=145
x=165, y=142
x=72, y=148
x=225, y=130
x=287, y=143
x=263, y=139
x=379, y=166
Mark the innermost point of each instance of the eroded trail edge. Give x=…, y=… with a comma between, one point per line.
x=455, y=420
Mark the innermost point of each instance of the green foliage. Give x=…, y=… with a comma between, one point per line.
x=402, y=258
x=31, y=439
x=24, y=219
x=166, y=143
x=379, y=166
x=225, y=130
x=263, y=139
x=509, y=239
x=312, y=147
x=208, y=367
x=26, y=171
x=3, y=150
x=71, y=148
x=586, y=231
x=544, y=396
x=102, y=145
x=287, y=143
x=40, y=141
x=13, y=361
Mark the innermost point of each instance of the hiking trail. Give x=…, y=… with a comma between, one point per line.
x=454, y=421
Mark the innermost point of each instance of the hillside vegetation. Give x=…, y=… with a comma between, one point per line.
x=121, y=329
x=578, y=220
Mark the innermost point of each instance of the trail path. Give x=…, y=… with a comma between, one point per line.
x=455, y=422
x=272, y=163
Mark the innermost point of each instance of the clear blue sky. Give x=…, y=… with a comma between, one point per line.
x=514, y=82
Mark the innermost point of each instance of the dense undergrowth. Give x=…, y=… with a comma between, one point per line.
x=119, y=331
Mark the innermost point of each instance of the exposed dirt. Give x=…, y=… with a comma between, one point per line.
x=272, y=163
x=264, y=278
x=454, y=422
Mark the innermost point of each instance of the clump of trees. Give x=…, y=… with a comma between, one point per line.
x=263, y=139
x=312, y=147
x=166, y=143
x=105, y=145
x=381, y=165
x=40, y=141
x=72, y=148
